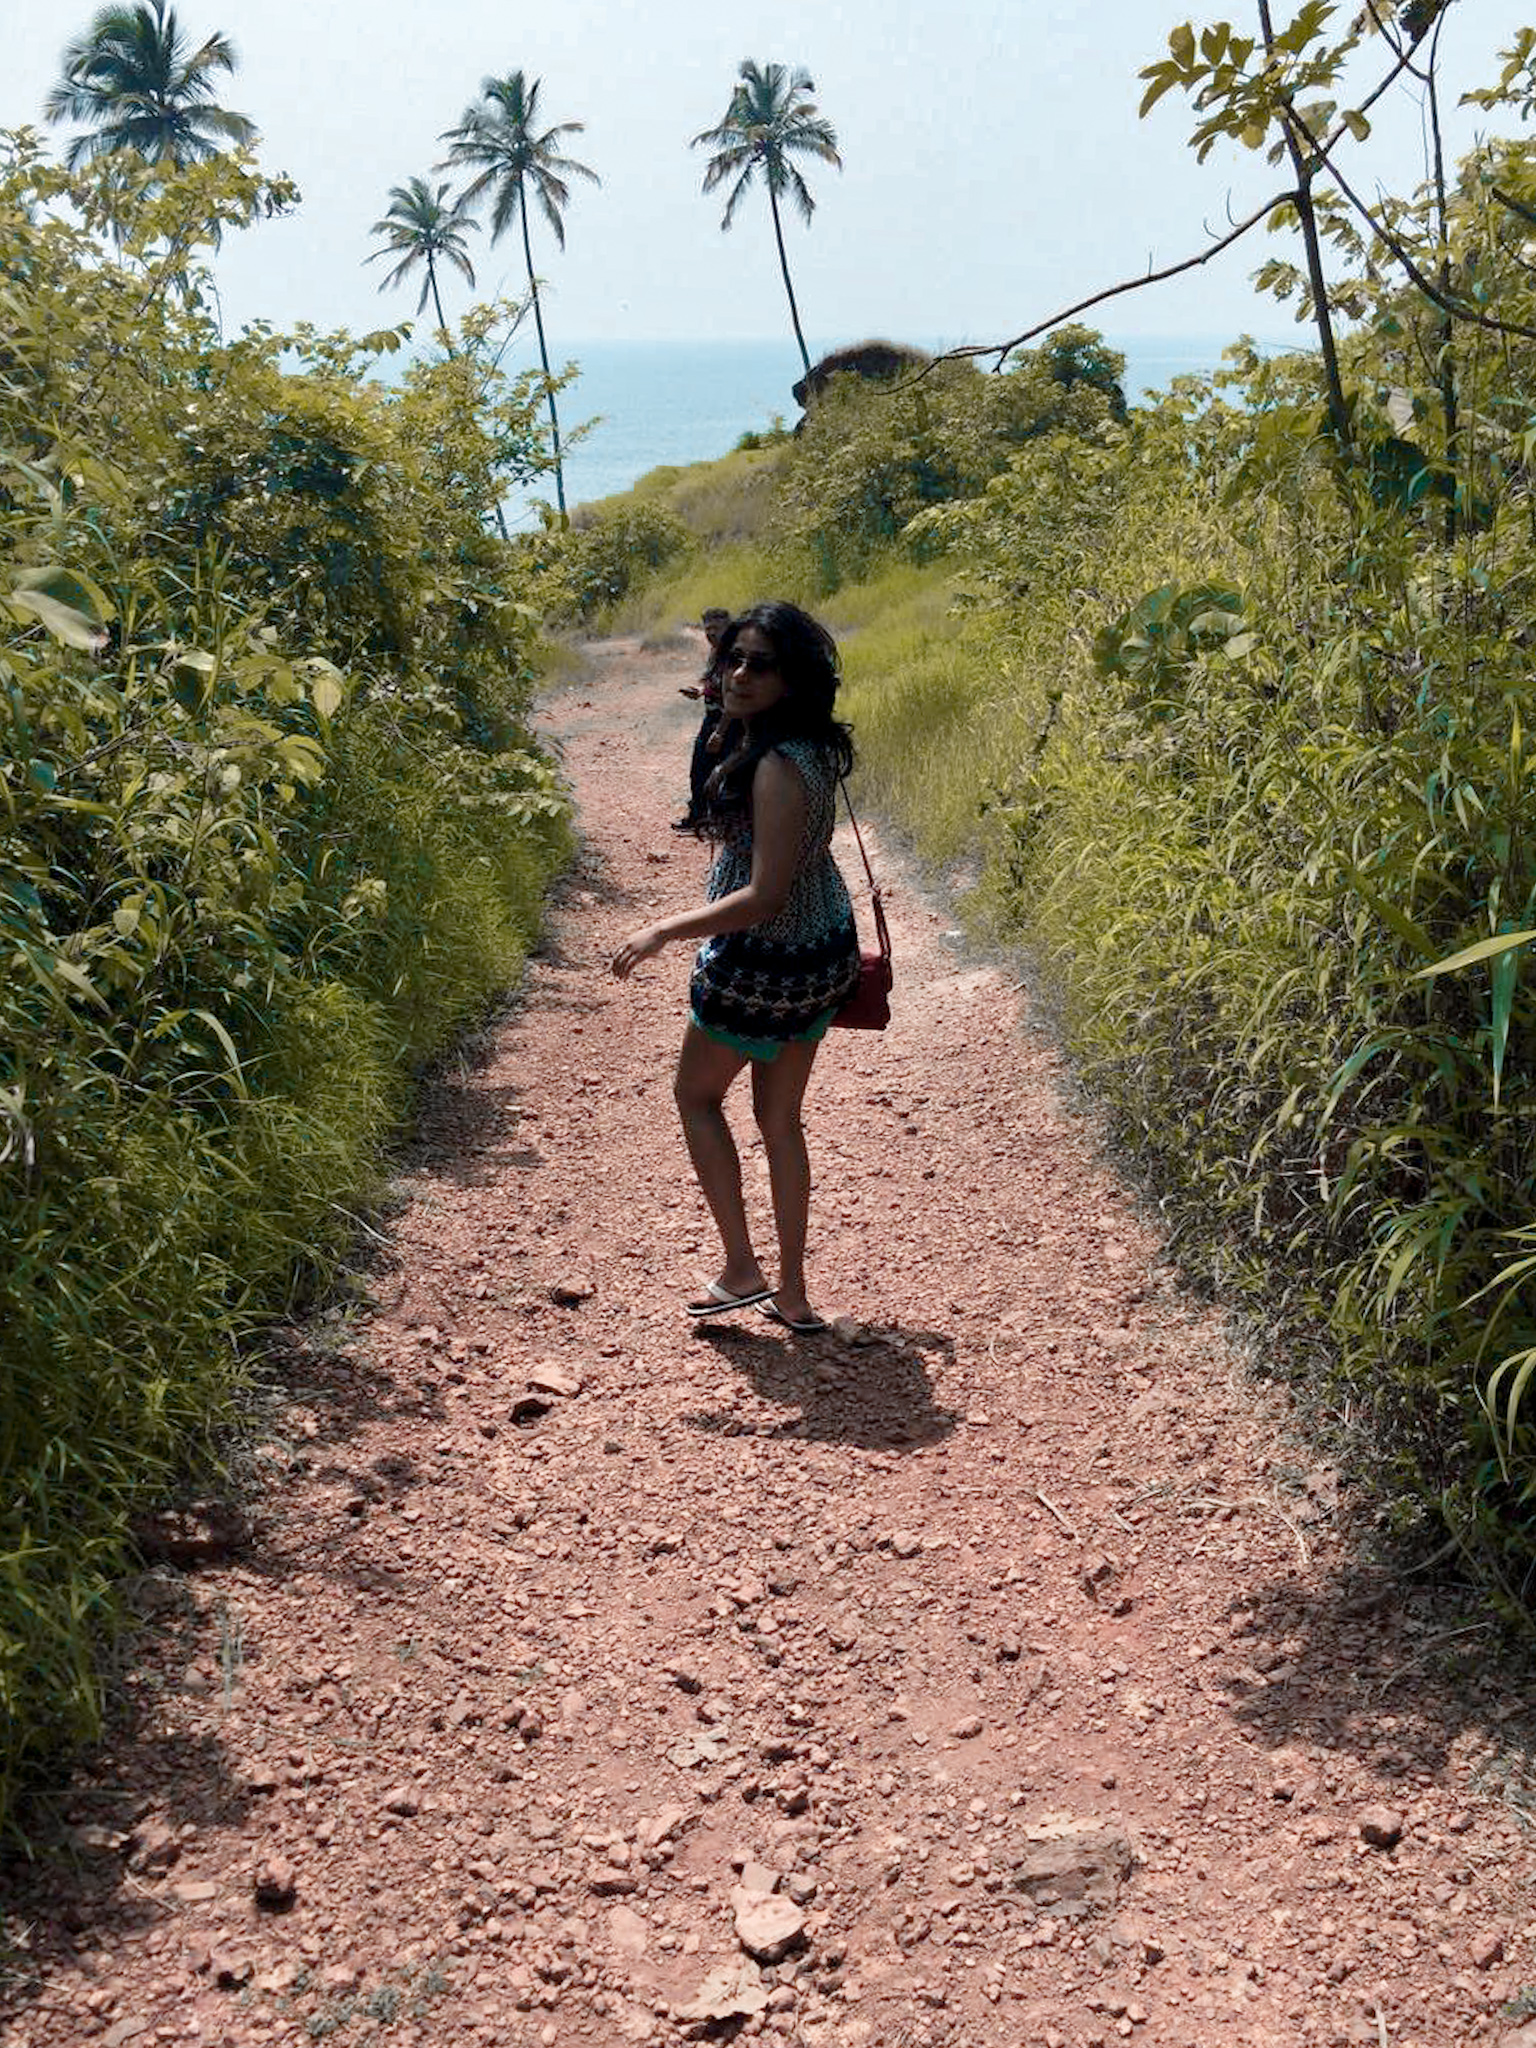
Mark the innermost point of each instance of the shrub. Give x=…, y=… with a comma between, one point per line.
x=1268, y=783
x=588, y=568
x=271, y=829
x=873, y=457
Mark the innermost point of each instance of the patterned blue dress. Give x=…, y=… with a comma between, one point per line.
x=784, y=979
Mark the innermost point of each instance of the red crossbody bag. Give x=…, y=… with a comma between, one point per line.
x=869, y=1007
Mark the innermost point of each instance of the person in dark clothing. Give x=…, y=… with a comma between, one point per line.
x=778, y=954
x=708, y=687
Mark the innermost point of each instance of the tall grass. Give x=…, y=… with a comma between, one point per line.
x=272, y=829
x=1235, y=735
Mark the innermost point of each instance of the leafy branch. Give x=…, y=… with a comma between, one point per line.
x=1244, y=104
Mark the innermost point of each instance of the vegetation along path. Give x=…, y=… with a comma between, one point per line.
x=994, y=1670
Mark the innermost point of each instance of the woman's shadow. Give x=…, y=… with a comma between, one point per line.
x=870, y=1388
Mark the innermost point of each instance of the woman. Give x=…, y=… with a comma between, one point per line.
x=780, y=953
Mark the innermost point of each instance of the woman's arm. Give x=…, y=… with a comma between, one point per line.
x=778, y=825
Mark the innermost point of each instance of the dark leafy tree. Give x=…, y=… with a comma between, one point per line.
x=771, y=119
x=135, y=83
x=515, y=166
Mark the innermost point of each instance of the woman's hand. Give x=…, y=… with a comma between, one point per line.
x=637, y=947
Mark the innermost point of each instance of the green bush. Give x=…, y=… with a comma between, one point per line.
x=1268, y=778
x=271, y=831
x=587, y=569
x=839, y=500
x=872, y=457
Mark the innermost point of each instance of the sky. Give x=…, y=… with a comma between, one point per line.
x=995, y=170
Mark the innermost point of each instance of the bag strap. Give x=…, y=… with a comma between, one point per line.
x=876, y=897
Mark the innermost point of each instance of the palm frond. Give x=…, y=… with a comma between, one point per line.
x=553, y=195
x=799, y=191
x=498, y=139
x=738, y=193
x=217, y=54
x=132, y=79
x=234, y=128
x=506, y=205
x=459, y=258
x=726, y=162
x=568, y=167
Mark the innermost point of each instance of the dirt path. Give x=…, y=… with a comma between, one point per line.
x=999, y=1664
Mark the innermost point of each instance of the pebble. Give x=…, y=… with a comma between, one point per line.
x=229, y=1970
x=629, y=1934
x=734, y=1990
x=767, y=1928
x=275, y=1884
x=1380, y=1827
x=156, y=1848
x=554, y=1379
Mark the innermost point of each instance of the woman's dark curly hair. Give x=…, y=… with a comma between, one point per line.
x=807, y=660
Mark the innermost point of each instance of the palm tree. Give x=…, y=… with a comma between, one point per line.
x=771, y=118
x=132, y=78
x=497, y=139
x=420, y=229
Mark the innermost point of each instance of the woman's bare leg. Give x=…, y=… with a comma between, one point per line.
x=705, y=1070
x=778, y=1091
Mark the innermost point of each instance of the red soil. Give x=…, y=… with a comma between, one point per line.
x=563, y=1619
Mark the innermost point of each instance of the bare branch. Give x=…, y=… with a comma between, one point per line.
x=1003, y=349
x=1404, y=56
x=1322, y=152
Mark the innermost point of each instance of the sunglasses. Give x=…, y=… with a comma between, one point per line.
x=755, y=664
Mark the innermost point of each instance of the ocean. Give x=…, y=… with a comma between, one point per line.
x=654, y=402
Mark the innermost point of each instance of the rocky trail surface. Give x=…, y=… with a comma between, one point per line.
x=994, y=1671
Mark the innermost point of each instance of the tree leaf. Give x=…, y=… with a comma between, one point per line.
x=69, y=587
x=73, y=628
x=236, y=1070
x=1485, y=949
x=326, y=692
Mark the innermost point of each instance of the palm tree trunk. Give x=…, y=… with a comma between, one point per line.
x=442, y=324
x=437, y=303
x=538, y=321
x=794, y=311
